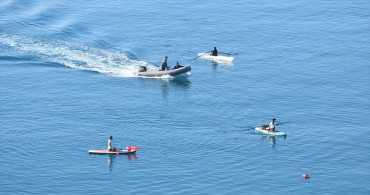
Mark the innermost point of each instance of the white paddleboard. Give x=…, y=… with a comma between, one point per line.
x=268, y=132
x=215, y=58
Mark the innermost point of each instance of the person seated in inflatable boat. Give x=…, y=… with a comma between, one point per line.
x=177, y=66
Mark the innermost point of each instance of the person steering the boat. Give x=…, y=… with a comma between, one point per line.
x=164, y=64
x=177, y=66
x=272, y=125
x=110, y=145
x=214, y=52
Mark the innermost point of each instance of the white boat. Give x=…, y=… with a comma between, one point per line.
x=215, y=58
x=158, y=73
x=262, y=129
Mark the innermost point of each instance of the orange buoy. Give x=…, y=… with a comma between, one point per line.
x=305, y=176
x=135, y=148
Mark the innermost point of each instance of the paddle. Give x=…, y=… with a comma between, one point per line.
x=225, y=53
x=248, y=129
x=200, y=55
x=253, y=128
x=267, y=125
x=283, y=123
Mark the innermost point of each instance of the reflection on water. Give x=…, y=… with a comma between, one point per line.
x=164, y=88
x=166, y=83
x=178, y=82
x=271, y=139
x=214, y=65
x=112, y=157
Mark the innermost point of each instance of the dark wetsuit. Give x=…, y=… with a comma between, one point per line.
x=214, y=52
x=164, y=65
x=177, y=66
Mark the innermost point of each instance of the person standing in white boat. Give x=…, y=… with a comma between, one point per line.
x=164, y=64
x=110, y=145
x=214, y=52
x=272, y=125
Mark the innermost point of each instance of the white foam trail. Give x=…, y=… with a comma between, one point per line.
x=76, y=56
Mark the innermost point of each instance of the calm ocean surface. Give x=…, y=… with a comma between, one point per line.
x=67, y=82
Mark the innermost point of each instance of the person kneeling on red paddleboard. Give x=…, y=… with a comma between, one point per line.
x=110, y=145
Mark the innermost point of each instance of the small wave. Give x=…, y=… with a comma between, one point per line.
x=12, y=58
x=75, y=55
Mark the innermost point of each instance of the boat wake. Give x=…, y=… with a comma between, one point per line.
x=74, y=55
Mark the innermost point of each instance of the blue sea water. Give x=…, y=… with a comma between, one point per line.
x=68, y=81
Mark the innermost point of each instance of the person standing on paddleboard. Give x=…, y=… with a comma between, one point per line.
x=110, y=145
x=164, y=64
x=214, y=52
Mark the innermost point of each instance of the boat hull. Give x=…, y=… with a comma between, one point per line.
x=267, y=132
x=159, y=73
x=215, y=58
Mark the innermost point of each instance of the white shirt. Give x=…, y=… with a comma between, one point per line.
x=271, y=125
x=110, y=144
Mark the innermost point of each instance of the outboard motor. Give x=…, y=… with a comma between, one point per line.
x=142, y=68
